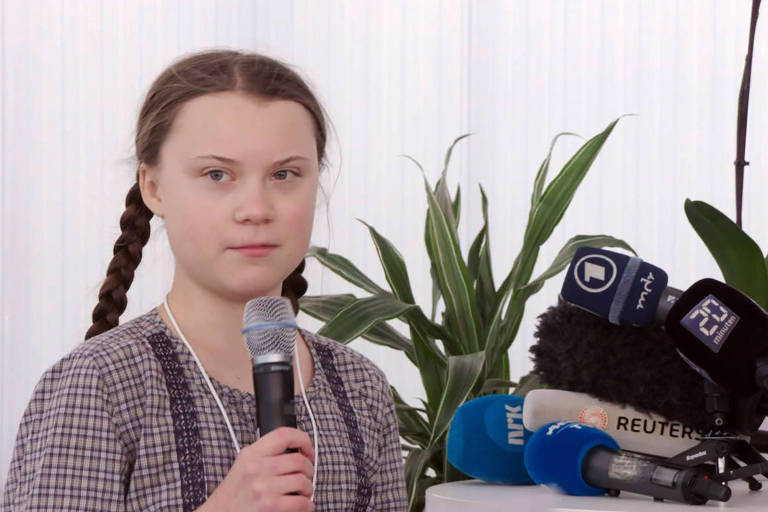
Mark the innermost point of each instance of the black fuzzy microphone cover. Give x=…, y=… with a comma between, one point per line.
x=635, y=366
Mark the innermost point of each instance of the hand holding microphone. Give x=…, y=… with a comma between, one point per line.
x=277, y=471
x=266, y=476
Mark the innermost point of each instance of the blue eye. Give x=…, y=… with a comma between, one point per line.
x=216, y=172
x=284, y=171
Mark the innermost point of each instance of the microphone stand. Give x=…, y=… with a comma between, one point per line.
x=722, y=445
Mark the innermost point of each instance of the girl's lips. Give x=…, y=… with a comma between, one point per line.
x=255, y=250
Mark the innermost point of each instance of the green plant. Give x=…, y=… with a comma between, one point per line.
x=739, y=257
x=465, y=354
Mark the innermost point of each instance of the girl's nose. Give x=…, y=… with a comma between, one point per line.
x=254, y=205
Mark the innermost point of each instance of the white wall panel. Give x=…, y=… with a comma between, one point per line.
x=400, y=77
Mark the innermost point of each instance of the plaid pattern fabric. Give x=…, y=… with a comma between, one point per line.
x=99, y=433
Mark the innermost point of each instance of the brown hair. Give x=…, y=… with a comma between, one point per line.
x=186, y=78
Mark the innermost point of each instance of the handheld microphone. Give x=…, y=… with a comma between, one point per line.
x=623, y=289
x=581, y=460
x=269, y=327
x=632, y=429
x=486, y=439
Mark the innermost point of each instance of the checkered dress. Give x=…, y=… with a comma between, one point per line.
x=125, y=422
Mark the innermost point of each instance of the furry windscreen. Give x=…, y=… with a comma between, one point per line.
x=578, y=351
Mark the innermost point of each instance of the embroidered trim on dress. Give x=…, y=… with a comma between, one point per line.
x=185, y=425
x=364, y=487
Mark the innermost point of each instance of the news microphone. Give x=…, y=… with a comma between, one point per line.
x=486, y=439
x=636, y=366
x=723, y=333
x=624, y=290
x=719, y=331
x=269, y=327
x=632, y=429
x=584, y=461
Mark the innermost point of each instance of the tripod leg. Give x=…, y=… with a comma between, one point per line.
x=750, y=456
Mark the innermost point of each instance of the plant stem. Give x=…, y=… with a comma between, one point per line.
x=741, y=122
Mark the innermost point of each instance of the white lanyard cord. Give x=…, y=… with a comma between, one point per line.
x=221, y=406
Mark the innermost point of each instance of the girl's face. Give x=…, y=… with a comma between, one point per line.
x=254, y=196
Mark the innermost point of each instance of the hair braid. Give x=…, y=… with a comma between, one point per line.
x=127, y=255
x=295, y=286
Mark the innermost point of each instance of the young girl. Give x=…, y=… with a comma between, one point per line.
x=159, y=413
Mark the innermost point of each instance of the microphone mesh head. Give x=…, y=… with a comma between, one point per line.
x=269, y=339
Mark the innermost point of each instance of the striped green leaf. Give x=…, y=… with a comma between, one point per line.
x=414, y=469
x=442, y=189
x=325, y=307
x=432, y=367
x=738, y=256
x=432, y=267
x=557, y=196
x=463, y=371
x=450, y=150
x=362, y=314
x=393, y=264
x=456, y=207
x=473, y=257
x=444, y=201
x=453, y=276
x=486, y=291
x=397, y=277
x=413, y=428
x=546, y=215
x=430, y=251
x=344, y=268
x=528, y=382
x=541, y=176
x=564, y=257
x=553, y=203
x=366, y=317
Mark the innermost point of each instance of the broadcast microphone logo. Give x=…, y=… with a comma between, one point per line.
x=594, y=416
x=593, y=275
x=646, y=289
x=514, y=424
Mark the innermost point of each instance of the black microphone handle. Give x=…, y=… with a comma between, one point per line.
x=667, y=299
x=273, y=386
x=605, y=468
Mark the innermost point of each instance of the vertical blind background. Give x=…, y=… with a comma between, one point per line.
x=397, y=77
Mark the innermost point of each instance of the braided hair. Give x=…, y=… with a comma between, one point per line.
x=191, y=76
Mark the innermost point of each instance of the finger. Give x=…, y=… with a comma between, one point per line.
x=293, y=463
x=280, y=439
x=296, y=483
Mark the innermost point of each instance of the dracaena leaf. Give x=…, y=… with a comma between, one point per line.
x=325, y=307
x=362, y=314
x=563, y=258
x=541, y=176
x=453, y=276
x=463, y=371
x=393, y=264
x=344, y=268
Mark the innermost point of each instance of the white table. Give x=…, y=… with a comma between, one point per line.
x=477, y=496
